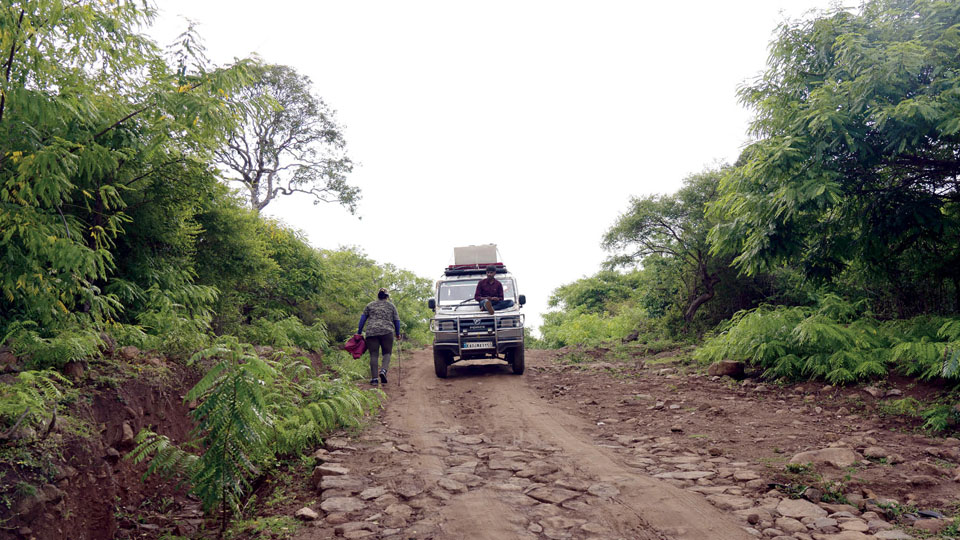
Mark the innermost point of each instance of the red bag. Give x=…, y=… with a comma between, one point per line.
x=356, y=346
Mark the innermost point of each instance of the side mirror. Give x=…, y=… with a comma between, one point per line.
x=523, y=299
x=432, y=304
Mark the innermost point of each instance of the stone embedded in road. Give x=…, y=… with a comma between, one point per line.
x=452, y=485
x=506, y=465
x=730, y=502
x=790, y=525
x=799, y=508
x=347, y=483
x=560, y=522
x=836, y=457
x=408, y=489
x=540, y=468
x=342, y=504
x=744, y=475
x=467, y=439
x=682, y=459
x=469, y=480
x=893, y=535
x=845, y=535
x=552, y=495
x=603, y=490
x=572, y=483
x=468, y=467
x=685, y=475
x=330, y=470
x=373, y=493
x=401, y=510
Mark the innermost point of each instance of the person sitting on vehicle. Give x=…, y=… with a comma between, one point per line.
x=490, y=293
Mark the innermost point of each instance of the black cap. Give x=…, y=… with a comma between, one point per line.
x=492, y=268
x=382, y=293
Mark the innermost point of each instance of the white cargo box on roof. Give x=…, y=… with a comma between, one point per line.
x=482, y=254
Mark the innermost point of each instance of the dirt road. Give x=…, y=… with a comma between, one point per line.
x=481, y=455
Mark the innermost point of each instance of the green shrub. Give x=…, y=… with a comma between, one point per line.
x=31, y=398
x=44, y=349
x=836, y=341
x=250, y=411
x=287, y=332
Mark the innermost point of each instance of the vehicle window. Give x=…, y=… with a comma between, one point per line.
x=457, y=291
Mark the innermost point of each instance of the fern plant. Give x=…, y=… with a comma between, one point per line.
x=31, y=399
x=42, y=350
x=232, y=421
x=251, y=410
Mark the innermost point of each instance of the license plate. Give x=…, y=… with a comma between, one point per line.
x=478, y=345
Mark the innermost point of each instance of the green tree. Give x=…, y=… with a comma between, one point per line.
x=854, y=172
x=93, y=124
x=288, y=142
x=672, y=227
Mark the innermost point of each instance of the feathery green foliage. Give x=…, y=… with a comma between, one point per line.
x=836, y=341
x=44, y=349
x=852, y=174
x=31, y=398
x=251, y=410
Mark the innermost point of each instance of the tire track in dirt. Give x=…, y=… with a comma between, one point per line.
x=494, y=414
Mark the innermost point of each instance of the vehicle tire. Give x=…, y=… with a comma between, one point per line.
x=515, y=357
x=441, y=359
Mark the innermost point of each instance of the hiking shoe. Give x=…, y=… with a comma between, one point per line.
x=489, y=306
x=383, y=376
x=374, y=381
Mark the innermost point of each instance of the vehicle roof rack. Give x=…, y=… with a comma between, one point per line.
x=468, y=269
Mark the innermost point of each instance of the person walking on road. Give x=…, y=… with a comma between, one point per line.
x=383, y=323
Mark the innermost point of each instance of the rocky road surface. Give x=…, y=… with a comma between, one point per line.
x=486, y=454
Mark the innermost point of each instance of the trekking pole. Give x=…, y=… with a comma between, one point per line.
x=399, y=364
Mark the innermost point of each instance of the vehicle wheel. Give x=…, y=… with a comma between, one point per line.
x=441, y=359
x=515, y=357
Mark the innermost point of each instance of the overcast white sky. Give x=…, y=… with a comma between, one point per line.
x=528, y=124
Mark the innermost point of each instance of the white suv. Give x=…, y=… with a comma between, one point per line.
x=464, y=331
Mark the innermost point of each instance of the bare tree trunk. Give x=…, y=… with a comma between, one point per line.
x=709, y=282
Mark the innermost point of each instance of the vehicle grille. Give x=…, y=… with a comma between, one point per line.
x=481, y=325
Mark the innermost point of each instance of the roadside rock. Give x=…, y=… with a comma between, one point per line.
x=875, y=452
x=835, y=457
x=726, y=368
x=306, y=514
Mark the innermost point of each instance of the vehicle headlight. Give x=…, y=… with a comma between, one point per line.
x=445, y=326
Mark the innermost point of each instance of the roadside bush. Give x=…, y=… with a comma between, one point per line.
x=251, y=410
x=837, y=341
x=287, y=332
x=30, y=399
x=42, y=349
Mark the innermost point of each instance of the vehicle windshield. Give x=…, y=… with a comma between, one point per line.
x=455, y=292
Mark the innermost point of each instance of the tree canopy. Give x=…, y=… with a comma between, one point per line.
x=674, y=227
x=288, y=142
x=857, y=153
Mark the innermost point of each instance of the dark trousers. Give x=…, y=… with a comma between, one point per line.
x=374, y=345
